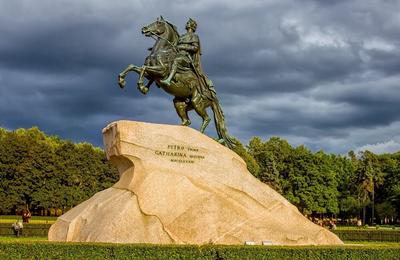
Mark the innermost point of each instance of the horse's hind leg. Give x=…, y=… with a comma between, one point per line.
x=200, y=106
x=181, y=108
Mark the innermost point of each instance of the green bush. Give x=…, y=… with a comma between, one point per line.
x=368, y=235
x=139, y=251
x=28, y=230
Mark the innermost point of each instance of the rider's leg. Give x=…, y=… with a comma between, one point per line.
x=174, y=67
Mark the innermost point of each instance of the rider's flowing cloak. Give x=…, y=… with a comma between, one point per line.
x=203, y=88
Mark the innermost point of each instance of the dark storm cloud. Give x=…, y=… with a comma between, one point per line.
x=320, y=73
x=61, y=44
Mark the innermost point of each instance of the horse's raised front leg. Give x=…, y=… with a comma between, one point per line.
x=140, y=84
x=145, y=71
x=122, y=75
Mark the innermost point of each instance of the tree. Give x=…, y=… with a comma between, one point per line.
x=369, y=176
x=251, y=163
x=271, y=157
x=389, y=193
x=304, y=178
x=345, y=168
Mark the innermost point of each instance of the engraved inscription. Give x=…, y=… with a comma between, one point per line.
x=181, y=154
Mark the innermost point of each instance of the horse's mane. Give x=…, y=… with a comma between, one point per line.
x=174, y=29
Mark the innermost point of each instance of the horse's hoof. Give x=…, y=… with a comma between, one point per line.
x=221, y=140
x=142, y=88
x=186, y=123
x=121, y=82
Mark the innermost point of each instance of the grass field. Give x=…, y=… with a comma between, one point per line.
x=33, y=220
x=14, y=239
x=386, y=228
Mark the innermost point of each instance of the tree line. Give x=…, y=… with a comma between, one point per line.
x=362, y=186
x=46, y=174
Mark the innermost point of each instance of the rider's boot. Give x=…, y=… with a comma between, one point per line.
x=167, y=81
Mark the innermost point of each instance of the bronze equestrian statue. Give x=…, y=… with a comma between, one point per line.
x=174, y=65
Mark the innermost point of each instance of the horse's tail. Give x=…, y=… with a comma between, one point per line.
x=219, y=120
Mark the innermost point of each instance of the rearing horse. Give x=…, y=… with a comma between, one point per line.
x=185, y=85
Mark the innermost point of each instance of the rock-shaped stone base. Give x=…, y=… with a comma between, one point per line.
x=178, y=186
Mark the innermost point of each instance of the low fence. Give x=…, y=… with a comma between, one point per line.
x=28, y=230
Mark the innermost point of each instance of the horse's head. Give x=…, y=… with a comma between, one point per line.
x=162, y=28
x=155, y=28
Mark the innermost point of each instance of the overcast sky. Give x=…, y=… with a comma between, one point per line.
x=325, y=74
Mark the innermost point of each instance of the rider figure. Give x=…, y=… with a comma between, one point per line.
x=188, y=56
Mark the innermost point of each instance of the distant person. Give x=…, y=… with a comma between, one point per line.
x=359, y=223
x=332, y=225
x=17, y=227
x=26, y=215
